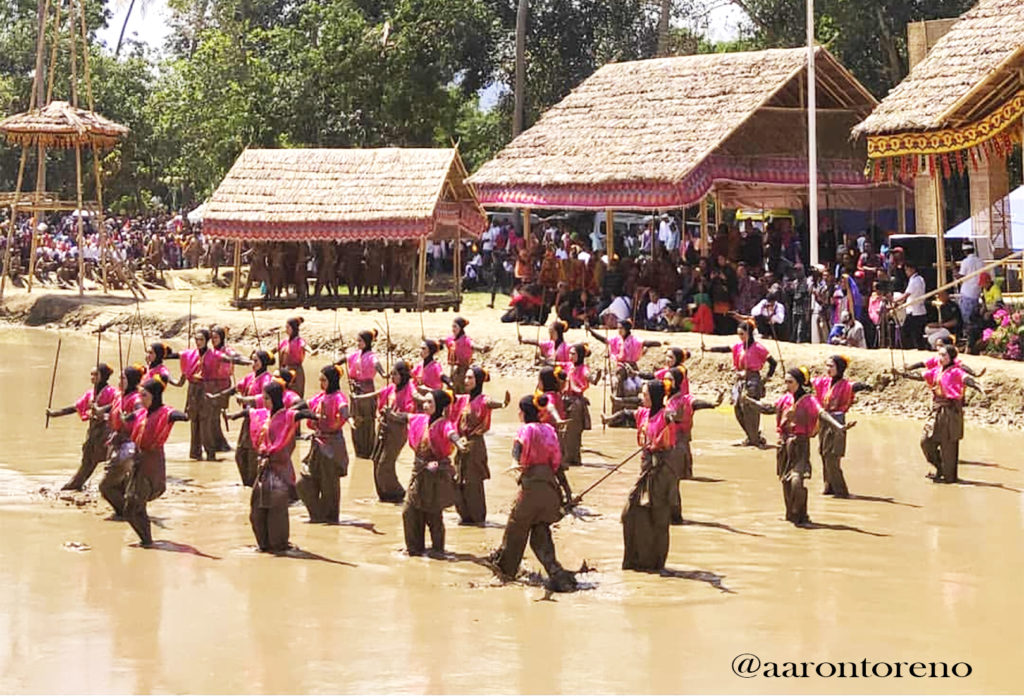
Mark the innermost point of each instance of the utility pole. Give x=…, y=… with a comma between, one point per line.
x=812, y=136
x=520, y=87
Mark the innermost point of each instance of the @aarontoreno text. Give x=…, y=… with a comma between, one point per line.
x=749, y=666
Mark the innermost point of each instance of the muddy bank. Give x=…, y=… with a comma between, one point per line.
x=165, y=316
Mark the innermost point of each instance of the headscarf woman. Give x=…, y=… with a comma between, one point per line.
x=398, y=396
x=577, y=408
x=273, y=429
x=250, y=392
x=460, y=353
x=940, y=441
x=682, y=405
x=91, y=407
x=471, y=469
x=319, y=487
x=151, y=427
x=543, y=488
x=797, y=416
x=291, y=352
x=428, y=373
x=363, y=365
x=432, y=438
x=554, y=350
x=647, y=515
x=836, y=395
x=748, y=358
x=120, y=447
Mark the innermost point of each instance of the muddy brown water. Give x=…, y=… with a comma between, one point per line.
x=910, y=572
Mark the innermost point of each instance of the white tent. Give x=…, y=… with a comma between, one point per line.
x=965, y=229
x=197, y=214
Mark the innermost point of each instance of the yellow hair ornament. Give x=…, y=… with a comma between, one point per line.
x=668, y=384
x=806, y=374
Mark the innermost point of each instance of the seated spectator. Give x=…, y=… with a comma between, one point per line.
x=655, y=311
x=949, y=324
x=848, y=332
x=769, y=314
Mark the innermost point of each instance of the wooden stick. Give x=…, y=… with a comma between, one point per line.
x=259, y=344
x=99, y=338
x=387, y=326
x=189, y=316
x=578, y=498
x=988, y=267
x=120, y=354
x=778, y=347
x=53, y=380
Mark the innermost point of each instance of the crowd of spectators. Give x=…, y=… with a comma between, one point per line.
x=661, y=281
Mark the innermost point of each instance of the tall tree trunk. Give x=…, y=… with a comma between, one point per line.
x=892, y=54
x=120, y=38
x=520, y=87
x=663, y=26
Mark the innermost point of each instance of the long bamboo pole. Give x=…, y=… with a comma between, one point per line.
x=10, y=227
x=956, y=282
x=812, y=136
x=53, y=380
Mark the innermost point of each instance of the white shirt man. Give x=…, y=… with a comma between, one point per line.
x=488, y=238
x=970, y=290
x=655, y=308
x=620, y=308
x=915, y=291
x=773, y=311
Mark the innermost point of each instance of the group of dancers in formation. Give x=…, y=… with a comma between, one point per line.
x=443, y=417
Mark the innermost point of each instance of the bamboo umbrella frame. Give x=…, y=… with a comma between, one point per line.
x=62, y=125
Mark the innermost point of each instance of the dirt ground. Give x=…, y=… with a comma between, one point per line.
x=165, y=315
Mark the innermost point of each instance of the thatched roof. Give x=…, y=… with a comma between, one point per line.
x=338, y=194
x=641, y=134
x=61, y=125
x=968, y=73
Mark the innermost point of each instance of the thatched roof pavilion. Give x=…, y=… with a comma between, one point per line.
x=959, y=106
x=60, y=125
x=385, y=195
x=663, y=133
x=344, y=194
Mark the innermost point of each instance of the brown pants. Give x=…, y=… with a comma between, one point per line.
x=535, y=509
x=363, y=425
x=832, y=446
x=194, y=399
x=319, y=487
x=416, y=522
x=385, y=478
x=647, y=516
x=245, y=455
x=835, y=482
x=571, y=439
x=268, y=515
x=793, y=466
x=749, y=419
x=94, y=452
x=944, y=454
x=471, y=471
x=140, y=491
x=114, y=485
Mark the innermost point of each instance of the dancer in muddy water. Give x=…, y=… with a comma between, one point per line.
x=120, y=447
x=428, y=374
x=91, y=407
x=836, y=395
x=748, y=358
x=944, y=429
x=577, y=407
x=797, y=417
x=682, y=405
x=157, y=353
x=250, y=392
x=273, y=429
x=391, y=435
x=551, y=384
x=933, y=361
x=543, y=489
x=218, y=379
x=625, y=350
x=648, y=512
x=433, y=438
x=363, y=365
x=319, y=487
x=471, y=414
x=554, y=350
x=192, y=362
x=460, y=353
x=291, y=352
x=151, y=427
x=675, y=358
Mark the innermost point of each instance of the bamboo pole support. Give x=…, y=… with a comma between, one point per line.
x=421, y=281
x=81, y=227
x=11, y=224
x=609, y=229
x=704, y=226
x=238, y=270
x=1016, y=256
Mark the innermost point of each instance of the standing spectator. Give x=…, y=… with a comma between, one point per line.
x=800, y=309
x=748, y=290
x=917, y=315
x=869, y=263
x=970, y=290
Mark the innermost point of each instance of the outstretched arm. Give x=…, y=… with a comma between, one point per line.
x=178, y=416
x=914, y=366
x=621, y=414
x=862, y=387
x=705, y=405
x=495, y=405
x=70, y=409
x=771, y=367
x=719, y=350
x=831, y=421
x=650, y=343
x=763, y=408
x=596, y=336
x=228, y=392
x=971, y=372
x=971, y=383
